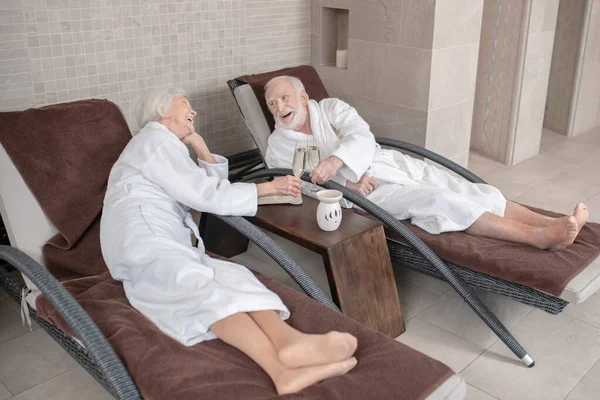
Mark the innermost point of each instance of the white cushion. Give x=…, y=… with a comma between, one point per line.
x=255, y=119
x=583, y=285
x=27, y=226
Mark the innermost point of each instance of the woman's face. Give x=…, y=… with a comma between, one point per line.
x=180, y=117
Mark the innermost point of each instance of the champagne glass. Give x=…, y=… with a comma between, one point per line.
x=298, y=160
x=313, y=157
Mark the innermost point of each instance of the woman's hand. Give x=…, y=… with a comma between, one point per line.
x=280, y=186
x=199, y=146
x=364, y=186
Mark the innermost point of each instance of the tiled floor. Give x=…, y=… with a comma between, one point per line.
x=566, y=347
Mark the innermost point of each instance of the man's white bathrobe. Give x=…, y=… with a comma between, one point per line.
x=432, y=198
x=146, y=239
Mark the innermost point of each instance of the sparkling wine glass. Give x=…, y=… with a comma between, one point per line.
x=313, y=157
x=298, y=160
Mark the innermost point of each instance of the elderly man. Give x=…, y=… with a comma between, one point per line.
x=406, y=187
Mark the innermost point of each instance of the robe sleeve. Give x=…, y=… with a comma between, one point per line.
x=357, y=143
x=220, y=169
x=200, y=188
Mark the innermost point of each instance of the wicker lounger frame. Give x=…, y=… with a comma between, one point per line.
x=97, y=356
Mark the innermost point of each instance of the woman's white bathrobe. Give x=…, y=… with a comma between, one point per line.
x=146, y=239
x=432, y=198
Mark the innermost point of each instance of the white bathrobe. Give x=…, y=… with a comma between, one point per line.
x=146, y=239
x=432, y=198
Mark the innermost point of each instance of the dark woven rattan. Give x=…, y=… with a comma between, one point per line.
x=410, y=258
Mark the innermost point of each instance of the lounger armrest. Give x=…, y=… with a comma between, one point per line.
x=99, y=349
x=282, y=258
x=433, y=156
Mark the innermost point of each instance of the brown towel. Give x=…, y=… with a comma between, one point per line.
x=548, y=271
x=164, y=369
x=64, y=153
x=306, y=73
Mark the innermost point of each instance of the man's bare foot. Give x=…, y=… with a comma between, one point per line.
x=581, y=214
x=557, y=236
x=317, y=349
x=295, y=379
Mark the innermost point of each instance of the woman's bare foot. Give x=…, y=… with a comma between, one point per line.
x=557, y=236
x=295, y=379
x=317, y=349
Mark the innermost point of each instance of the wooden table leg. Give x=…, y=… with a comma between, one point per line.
x=362, y=282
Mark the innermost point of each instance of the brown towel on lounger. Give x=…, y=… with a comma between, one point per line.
x=165, y=369
x=64, y=153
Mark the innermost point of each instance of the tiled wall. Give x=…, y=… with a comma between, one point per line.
x=587, y=111
x=61, y=50
x=512, y=79
x=561, y=88
x=411, y=68
x=456, y=36
x=534, y=86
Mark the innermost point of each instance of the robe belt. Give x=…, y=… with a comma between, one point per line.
x=189, y=222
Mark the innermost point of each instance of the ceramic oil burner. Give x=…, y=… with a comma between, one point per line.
x=329, y=212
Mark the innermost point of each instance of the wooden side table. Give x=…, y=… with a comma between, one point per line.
x=355, y=256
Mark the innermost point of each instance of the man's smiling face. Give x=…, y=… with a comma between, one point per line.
x=287, y=106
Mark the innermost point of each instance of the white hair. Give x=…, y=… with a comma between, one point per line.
x=152, y=105
x=295, y=82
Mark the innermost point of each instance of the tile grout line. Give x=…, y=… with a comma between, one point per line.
x=41, y=383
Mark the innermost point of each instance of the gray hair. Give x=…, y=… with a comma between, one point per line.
x=151, y=106
x=295, y=82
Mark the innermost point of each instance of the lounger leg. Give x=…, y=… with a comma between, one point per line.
x=492, y=321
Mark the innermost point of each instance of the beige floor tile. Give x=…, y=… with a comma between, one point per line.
x=10, y=321
x=583, y=183
x=3, y=294
x=594, y=207
x=509, y=189
x=31, y=359
x=483, y=165
x=571, y=151
x=552, y=197
x=437, y=343
x=415, y=299
x=422, y=280
x=534, y=171
x=257, y=260
x=475, y=394
x=75, y=384
x=455, y=315
x=588, y=311
x=4, y=392
x=564, y=350
x=589, y=387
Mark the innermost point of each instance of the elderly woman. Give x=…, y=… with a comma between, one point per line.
x=146, y=243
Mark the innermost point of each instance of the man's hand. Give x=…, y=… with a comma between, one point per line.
x=280, y=186
x=364, y=186
x=326, y=169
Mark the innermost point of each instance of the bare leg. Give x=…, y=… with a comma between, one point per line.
x=297, y=349
x=241, y=332
x=552, y=237
x=521, y=214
